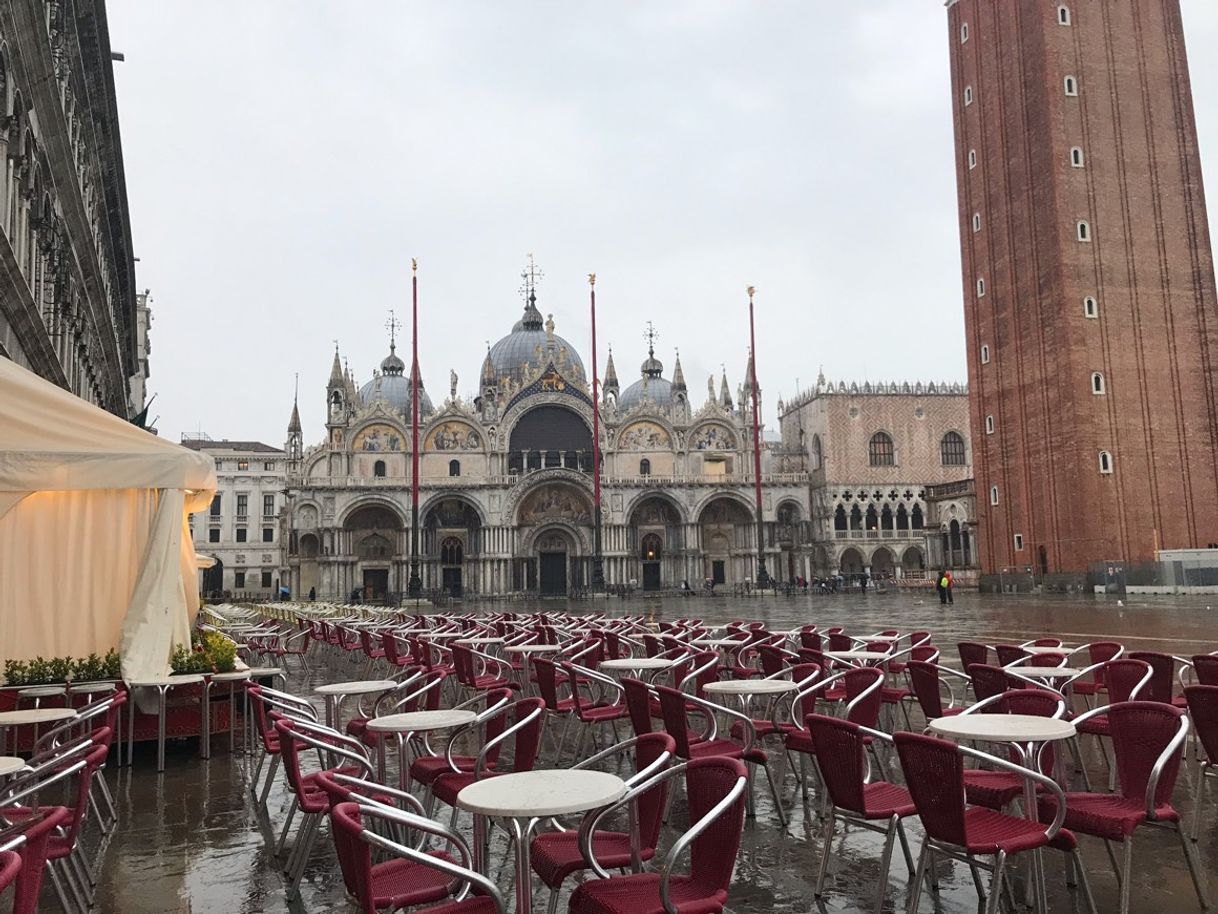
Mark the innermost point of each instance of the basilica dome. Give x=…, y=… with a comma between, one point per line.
x=392, y=388
x=525, y=348
x=651, y=386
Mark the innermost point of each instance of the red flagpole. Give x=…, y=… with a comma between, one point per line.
x=598, y=568
x=763, y=578
x=415, y=585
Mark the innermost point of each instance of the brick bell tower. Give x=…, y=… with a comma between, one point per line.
x=1088, y=279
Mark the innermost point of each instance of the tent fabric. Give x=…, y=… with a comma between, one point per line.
x=95, y=550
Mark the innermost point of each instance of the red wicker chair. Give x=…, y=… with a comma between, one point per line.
x=1147, y=743
x=1203, y=708
x=840, y=756
x=716, y=787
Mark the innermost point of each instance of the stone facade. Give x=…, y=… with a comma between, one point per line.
x=242, y=527
x=506, y=494
x=1088, y=276
x=872, y=452
x=67, y=278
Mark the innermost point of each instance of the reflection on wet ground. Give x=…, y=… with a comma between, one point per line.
x=192, y=840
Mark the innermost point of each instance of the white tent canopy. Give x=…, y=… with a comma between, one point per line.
x=95, y=551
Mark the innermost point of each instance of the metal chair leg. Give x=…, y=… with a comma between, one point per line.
x=915, y=890
x=826, y=842
x=1194, y=868
x=1126, y=869
x=995, y=898
x=885, y=865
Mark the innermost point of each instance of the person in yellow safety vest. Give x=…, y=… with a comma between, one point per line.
x=947, y=588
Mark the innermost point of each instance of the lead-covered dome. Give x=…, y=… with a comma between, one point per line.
x=651, y=386
x=392, y=387
x=525, y=348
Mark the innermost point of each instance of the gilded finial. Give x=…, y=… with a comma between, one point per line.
x=414, y=265
x=752, y=289
x=592, y=279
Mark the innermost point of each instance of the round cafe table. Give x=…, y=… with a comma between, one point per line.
x=30, y=716
x=636, y=665
x=746, y=689
x=867, y=657
x=1044, y=672
x=1041, y=649
x=162, y=686
x=404, y=726
x=1027, y=733
x=524, y=798
x=486, y=639
x=335, y=693
x=10, y=765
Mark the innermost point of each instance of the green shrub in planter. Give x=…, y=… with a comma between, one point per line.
x=210, y=652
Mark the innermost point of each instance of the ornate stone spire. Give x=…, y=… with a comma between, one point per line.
x=336, y=370
x=725, y=393
x=488, y=370
x=610, y=384
x=678, y=376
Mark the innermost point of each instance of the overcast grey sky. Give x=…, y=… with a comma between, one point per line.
x=286, y=160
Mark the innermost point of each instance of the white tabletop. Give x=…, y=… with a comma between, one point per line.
x=544, y=792
x=1048, y=650
x=358, y=687
x=34, y=716
x=869, y=656
x=45, y=691
x=533, y=649
x=10, y=764
x=719, y=642
x=259, y=672
x=234, y=676
x=750, y=686
x=420, y=721
x=177, y=680
x=1007, y=728
x=436, y=636
x=636, y=663
x=92, y=688
x=485, y=640
x=1044, y=672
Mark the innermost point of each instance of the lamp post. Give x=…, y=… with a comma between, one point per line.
x=763, y=576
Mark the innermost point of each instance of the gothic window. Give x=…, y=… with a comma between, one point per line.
x=1071, y=86
x=886, y=518
x=1097, y=383
x=1063, y=15
x=951, y=449
x=880, y=451
x=1091, y=307
x=1105, y=462
x=644, y=467
x=454, y=468
x=452, y=552
x=1084, y=230
x=1076, y=157
x=873, y=519
x=817, y=454
x=902, y=518
x=378, y=468
x=856, y=518
x=915, y=517
x=839, y=518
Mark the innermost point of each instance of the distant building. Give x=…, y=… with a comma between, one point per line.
x=242, y=527
x=874, y=453
x=67, y=276
x=1089, y=295
x=143, y=351
x=506, y=487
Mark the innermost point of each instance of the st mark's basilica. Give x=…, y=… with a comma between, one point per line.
x=506, y=488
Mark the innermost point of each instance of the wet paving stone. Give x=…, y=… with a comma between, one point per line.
x=193, y=840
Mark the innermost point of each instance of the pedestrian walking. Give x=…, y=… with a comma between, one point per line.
x=941, y=586
x=947, y=575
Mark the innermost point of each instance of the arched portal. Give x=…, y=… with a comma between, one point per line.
x=452, y=532
x=651, y=551
x=727, y=540
x=309, y=580
x=550, y=436
x=913, y=564
x=374, y=535
x=851, y=562
x=656, y=537
x=555, y=556
x=882, y=563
